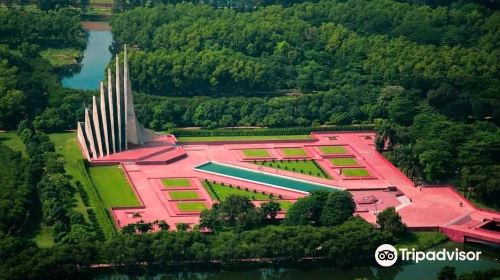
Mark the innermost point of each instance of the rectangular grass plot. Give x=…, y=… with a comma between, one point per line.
x=191, y=206
x=355, y=172
x=333, y=150
x=179, y=195
x=343, y=161
x=256, y=153
x=294, y=152
x=176, y=182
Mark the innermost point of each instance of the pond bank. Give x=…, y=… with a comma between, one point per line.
x=95, y=25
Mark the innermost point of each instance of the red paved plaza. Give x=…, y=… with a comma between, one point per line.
x=420, y=208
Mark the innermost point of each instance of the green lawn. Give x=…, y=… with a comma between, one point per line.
x=61, y=58
x=183, y=195
x=35, y=229
x=66, y=145
x=343, y=161
x=112, y=186
x=242, y=138
x=255, y=153
x=175, y=182
x=97, y=12
x=332, y=150
x=11, y=140
x=220, y=192
x=307, y=167
x=421, y=240
x=45, y=238
x=191, y=206
x=101, y=1
x=355, y=172
x=285, y=205
x=294, y=152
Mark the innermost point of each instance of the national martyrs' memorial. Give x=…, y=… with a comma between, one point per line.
x=174, y=181
x=112, y=125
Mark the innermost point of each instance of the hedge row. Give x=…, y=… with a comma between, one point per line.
x=268, y=131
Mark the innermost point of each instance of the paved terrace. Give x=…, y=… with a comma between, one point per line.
x=421, y=208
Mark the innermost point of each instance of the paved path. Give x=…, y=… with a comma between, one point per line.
x=419, y=208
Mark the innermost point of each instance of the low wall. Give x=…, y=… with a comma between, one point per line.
x=247, y=142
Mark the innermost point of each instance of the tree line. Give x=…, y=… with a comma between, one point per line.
x=341, y=107
x=205, y=51
x=55, y=191
x=250, y=5
x=241, y=233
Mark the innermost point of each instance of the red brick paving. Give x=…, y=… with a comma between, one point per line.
x=432, y=207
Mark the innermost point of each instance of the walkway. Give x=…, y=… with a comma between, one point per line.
x=432, y=207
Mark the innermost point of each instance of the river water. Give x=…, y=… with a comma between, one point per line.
x=95, y=59
x=407, y=271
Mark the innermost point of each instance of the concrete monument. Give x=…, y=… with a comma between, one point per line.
x=112, y=124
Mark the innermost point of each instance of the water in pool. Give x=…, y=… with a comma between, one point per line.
x=261, y=177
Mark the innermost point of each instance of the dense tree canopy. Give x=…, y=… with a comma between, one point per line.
x=200, y=50
x=26, y=79
x=321, y=208
x=16, y=191
x=391, y=221
x=426, y=76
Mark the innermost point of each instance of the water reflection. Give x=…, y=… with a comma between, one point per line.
x=407, y=271
x=95, y=60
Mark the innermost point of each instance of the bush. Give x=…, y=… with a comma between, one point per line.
x=83, y=193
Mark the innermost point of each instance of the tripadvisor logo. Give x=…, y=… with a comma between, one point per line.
x=387, y=255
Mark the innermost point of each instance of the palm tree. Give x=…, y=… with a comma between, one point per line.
x=386, y=131
x=406, y=159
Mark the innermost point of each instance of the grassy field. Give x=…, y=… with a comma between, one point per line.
x=191, y=206
x=301, y=166
x=220, y=192
x=255, y=153
x=66, y=145
x=355, y=172
x=11, y=140
x=112, y=186
x=175, y=182
x=332, y=150
x=291, y=152
x=343, y=161
x=45, y=238
x=285, y=205
x=183, y=195
x=101, y=2
x=61, y=58
x=35, y=229
x=242, y=138
x=421, y=240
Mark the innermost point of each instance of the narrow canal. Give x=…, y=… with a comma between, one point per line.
x=95, y=58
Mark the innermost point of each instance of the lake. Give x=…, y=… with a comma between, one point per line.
x=408, y=271
x=95, y=59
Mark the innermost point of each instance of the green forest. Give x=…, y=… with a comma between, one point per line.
x=424, y=74
x=427, y=77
